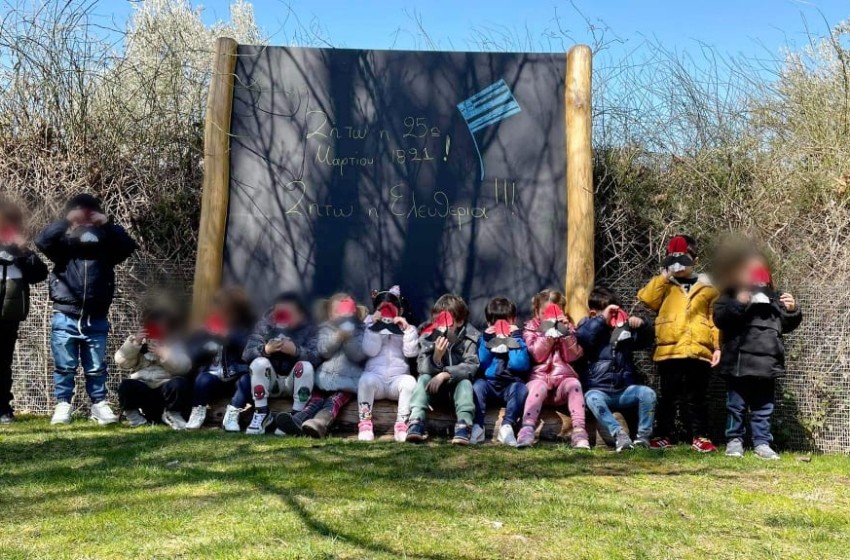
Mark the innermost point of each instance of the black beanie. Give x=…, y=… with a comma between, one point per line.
x=84, y=201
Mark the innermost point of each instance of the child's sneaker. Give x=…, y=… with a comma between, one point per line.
x=660, y=443
x=416, y=432
x=7, y=418
x=579, y=440
x=525, y=438
x=642, y=442
x=400, y=431
x=735, y=448
x=102, y=414
x=287, y=425
x=764, y=451
x=477, y=434
x=259, y=423
x=174, y=419
x=135, y=418
x=506, y=435
x=230, y=422
x=703, y=445
x=365, y=431
x=462, y=434
x=197, y=418
x=623, y=442
x=62, y=413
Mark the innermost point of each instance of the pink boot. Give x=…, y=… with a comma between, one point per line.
x=400, y=431
x=579, y=439
x=364, y=431
x=525, y=437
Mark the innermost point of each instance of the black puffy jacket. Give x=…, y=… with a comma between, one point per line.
x=610, y=369
x=83, y=278
x=752, y=336
x=221, y=357
x=19, y=270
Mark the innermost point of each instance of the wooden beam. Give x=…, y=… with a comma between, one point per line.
x=215, y=196
x=580, y=210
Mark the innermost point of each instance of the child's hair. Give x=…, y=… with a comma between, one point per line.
x=234, y=301
x=545, y=297
x=10, y=213
x=454, y=304
x=325, y=307
x=692, y=245
x=500, y=309
x=601, y=297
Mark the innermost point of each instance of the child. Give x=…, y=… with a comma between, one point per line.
x=85, y=247
x=551, y=341
x=753, y=316
x=157, y=389
x=282, y=353
x=19, y=269
x=609, y=337
x=340, y=345
x=388, y=342
x=687, y=342
x=447, y=363
x=216, y=350
x=504, y=366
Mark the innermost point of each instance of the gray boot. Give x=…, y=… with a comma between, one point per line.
x=318, y=426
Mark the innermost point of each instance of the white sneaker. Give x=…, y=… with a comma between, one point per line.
x=230, y=422
x=135, y=418
x=174, y=419
x=477, y=435
x=197, y=418
x=62, y=413
x=258, y=424
x=507, y=436
x=102, y=413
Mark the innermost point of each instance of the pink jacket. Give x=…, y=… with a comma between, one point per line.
x=551, y=357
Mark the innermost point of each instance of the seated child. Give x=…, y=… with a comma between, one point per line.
x=388, y=342
x=216, y=350
x=157, y=389
x=609, y=337
x=282, y=353
x=340, y=346
x=752, y=316
x=552, y=344
x=447, y=363
x=504, y=367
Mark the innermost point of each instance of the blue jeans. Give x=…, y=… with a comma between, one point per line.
x=487, y=392
x=602, y=403
x=209, y=387
x=76, y=342
x=758, y=395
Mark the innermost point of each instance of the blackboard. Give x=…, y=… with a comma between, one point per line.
x=437, y=171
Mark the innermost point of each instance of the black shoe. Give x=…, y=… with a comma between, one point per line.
x=416, y=431
x=463, y=432
x=287, y=424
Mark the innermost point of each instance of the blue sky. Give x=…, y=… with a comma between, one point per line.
x=746, y=27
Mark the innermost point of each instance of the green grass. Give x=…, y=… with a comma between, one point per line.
x=88, y=492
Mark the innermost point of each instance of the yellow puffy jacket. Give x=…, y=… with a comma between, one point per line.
x=684, y=327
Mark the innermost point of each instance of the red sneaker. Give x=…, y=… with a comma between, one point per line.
x=660, y=443
x=703, y=445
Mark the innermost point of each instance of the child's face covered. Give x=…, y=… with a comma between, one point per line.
x=343, y=308
x=444, y=325
x=287, y=315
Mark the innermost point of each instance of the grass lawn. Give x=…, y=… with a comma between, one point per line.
x=88, y=492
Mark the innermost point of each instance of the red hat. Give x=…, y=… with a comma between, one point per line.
x=677, y=245
x=760, y=276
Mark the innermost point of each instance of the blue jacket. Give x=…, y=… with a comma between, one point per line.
x=500, y=369
x=220, y=357
x=610, y=369
x=83, y=279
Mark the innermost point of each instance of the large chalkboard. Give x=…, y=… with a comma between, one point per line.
x=437, y=171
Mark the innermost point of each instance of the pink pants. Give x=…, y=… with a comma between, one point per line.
x=567, y=392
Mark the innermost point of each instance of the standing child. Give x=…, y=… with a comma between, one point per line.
x=687, y=343
x=85, y=247
x=283, y=356
x=340, y=346
x=388, y=342
x=447, y=363
x=753, y=316
x=551, y=341
x=504, y=366
x=609, y=338
x=20, y=268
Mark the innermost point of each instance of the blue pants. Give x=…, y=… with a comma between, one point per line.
x=757, y=394
x=512, y=397
x=76, y=342
x=209, y=387
x=602, y=403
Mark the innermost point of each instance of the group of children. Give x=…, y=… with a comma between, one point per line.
x=381, y=354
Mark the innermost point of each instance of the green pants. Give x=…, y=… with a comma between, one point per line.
x=458, y=392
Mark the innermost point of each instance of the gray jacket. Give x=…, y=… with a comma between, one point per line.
x=342, y=357
x=460, y=361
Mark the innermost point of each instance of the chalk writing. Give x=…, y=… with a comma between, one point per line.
x=438, y=207
x=326, y=157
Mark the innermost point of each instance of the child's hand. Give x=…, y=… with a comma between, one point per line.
x=788, y=301
x=665, y=273
x=433, y=386
x=715, y=358
x=140, y=336
x=635, y=322
x=402, y=323
x=288, y=347
x=376, y=316
x=20, y=242
x=513, y=328
x=744, y=296
x=99, y=219
x=273, y=347
x=440, y=348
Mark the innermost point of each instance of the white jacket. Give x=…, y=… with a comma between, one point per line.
x=387, y=353
x=148, y=367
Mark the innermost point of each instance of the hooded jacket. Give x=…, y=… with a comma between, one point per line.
x=387, y=354
x=461, y=358
x=18, y=271
x=222, y=358
x=148, y=367
x=610, y=369
x=343, y=359
x=684, y=327
x=504, y=369
x=83, y=279
x=304, y=337
x=752, y=336
x=551, y=358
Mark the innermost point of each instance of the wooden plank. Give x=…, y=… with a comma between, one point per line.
x=215, y=196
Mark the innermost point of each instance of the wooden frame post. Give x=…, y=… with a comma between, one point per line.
x=215, y=197
x=580, y=209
